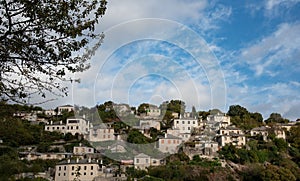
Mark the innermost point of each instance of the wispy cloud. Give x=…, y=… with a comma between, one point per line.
x=281, y=48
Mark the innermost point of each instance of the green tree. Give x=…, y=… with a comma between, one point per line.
x=42, y=41
x=276, y=118
x=142, y=108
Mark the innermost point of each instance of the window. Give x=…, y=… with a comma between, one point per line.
x=59, y=168
x=92, y=173
x=137, y=160
x=169, y=141
x=84, y=167
x=77, y=127
x=84, y=173
x=72, y=173
x=108, y=136
x=92, y=167
x=63, y=127
x=72, y=167
x=57, y=127
x=103, y=136
x=71, y=127
x=177, y=122
x=47, y=128
x=182, y=122
x=147, y=160
x=189, y=122
x=162, y=141
x=68, y=127
x=58, y=174
x=174, y=141
x=64, y=174
x=193, y=122
x=104, y=131
x=65, y=168
x=189, y=128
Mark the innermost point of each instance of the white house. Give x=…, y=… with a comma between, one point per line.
x=185, y=125
x=73, y=126
x=87, y=170
x=231, y=135
x=222, y=119
x=64, y=108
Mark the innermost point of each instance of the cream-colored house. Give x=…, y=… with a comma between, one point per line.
x=263, y=131
x=84, y=170
x=101, y=132
x=231, y=135
x=153, y=111
x=64, y=108
x=142, y=161
x=169, y=143
x=82, y=150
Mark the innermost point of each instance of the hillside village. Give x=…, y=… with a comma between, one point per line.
x=118, y=142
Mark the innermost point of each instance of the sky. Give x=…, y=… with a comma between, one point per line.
x=210, y=54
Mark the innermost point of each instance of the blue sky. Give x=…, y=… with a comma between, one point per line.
x=211, y=54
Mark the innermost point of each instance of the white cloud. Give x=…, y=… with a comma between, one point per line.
x=278, y=49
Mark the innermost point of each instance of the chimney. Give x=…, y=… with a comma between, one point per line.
x=165, y=135
x=89, y=159
x=77, y=160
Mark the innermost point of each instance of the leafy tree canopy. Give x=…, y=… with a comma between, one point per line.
x=42, y=41
x=244, y=119
x=276, y=118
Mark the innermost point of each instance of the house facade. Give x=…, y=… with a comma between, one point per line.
x=100, y=133
x=73, y=126
x=169, y=143
x=85, y=170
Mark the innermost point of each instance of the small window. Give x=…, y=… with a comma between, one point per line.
x=147, y=160
x=57, y=127
x=92, y=173
x=73, y=168
x=47, y=128
x=193, y=122
x=64, y=174
x=58, y=174
x=189, y=122
x=92, y=167
x=65, y=168
x=77, y=127
x=59, y=168
x=162, y=141
x=182, y=122
x=137, y=160
x=84, y=167
x=84, y=173
x=177, y=122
